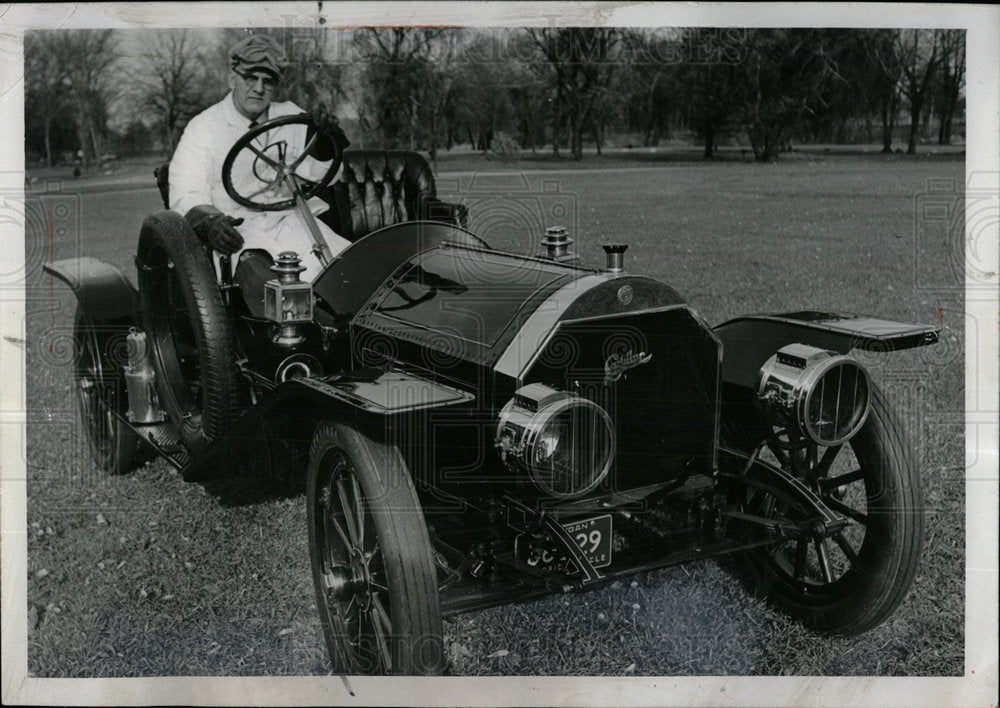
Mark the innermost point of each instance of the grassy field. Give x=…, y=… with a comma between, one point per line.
x=145, y=575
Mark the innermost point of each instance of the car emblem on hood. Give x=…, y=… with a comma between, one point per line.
x=618, y=363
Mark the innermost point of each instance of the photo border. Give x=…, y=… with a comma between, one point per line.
x=977, y=686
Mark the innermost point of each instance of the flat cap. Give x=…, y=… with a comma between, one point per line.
x=258, y=51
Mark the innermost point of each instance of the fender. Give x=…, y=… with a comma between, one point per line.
x=102, y=292
x=749, y=341
x=369, y=398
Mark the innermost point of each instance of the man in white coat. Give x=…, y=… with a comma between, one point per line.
x=196, y=188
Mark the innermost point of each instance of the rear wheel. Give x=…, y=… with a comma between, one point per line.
x=373, y=572
x=101, y=401
x=851, y=580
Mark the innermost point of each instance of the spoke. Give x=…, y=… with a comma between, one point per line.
x=774, y=446
x=840, y=506
x=811, y=452
x=266, y=188
x=305, y=152
x=801, y=556
x=824, y=559
x=340, y=530
x=263, y=156
x=847, y=478
x=823, y=466
x=345, y=652
x=768, y=507
x=798, y=463
x=382, y=626
x=360, y=508
x=383, y=644
x=752, y=459
x=351, y=657
x=345, y=503
x=383, y=615
x=845, y=546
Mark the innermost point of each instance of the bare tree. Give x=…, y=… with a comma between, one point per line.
x=528, y=100
x=91, y=55
x=710, y=91
x=313, y=78
x=484, y=90
x=173, y=84
x=395, y=76
x=951, y=80
x=788, y=72
x=582, y=63
x=882, y=87
x=439, y=92
x=70, y=71
x=920, y=56
x=46, y=73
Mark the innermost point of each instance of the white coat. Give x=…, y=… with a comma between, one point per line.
x=196, y=178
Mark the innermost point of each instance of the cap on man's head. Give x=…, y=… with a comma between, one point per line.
x=258, y=51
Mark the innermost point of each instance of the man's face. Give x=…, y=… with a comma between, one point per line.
x=252, y=90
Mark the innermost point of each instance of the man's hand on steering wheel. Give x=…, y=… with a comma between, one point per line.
x=331, y=139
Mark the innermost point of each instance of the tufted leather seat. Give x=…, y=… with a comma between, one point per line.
x=377, y=188
x=383, y=187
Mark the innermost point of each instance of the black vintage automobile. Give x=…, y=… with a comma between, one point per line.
x=478, y=427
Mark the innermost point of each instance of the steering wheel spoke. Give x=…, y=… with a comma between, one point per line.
x=267, y=187
x=305, y=153
x=271, y=162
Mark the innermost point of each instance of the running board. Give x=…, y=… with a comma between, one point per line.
x=163, y=438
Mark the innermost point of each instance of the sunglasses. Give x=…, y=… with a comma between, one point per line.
x=270, y=83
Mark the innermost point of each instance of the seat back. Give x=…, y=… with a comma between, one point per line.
x=162, y=174
x=383, y=187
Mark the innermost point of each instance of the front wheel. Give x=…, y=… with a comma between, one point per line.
x=373, y=572
x=849, y=581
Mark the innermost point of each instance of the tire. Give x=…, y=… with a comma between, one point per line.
x=375, y=580
x=185, y=318
x=101, y=397
x=880, y=495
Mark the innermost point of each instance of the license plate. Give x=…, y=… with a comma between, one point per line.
x=593, y=536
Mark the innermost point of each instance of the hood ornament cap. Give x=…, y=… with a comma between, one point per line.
x=616, y=257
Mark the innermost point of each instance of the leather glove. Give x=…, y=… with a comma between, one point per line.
x=215, y=228
x=331, y=140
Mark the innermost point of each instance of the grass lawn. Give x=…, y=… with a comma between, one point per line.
x=145, y=575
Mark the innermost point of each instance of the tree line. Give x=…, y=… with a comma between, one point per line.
x=91, y=92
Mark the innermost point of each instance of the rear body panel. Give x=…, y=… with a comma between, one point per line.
x=749, y=341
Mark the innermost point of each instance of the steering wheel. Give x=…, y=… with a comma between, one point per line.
x=272, y=169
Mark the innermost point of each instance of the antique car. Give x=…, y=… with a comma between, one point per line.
x=476, y=427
